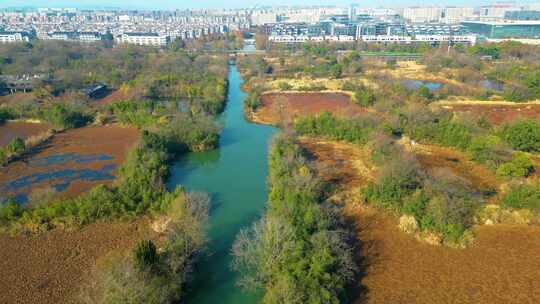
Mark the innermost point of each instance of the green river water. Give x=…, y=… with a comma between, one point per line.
x=235, y=176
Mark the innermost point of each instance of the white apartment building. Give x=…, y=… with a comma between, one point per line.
x=454, y=15
x=422, y=14
x=89, y=37
x=152, y=39
x=497, y=11
x=11, y=37
x=65, y=36
x=263, y=17
x=450, y=15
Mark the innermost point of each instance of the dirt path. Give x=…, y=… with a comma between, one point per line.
x=51, y=267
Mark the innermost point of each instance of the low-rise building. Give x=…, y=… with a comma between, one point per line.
x=90, y=36
x=12, y=37
x=152, y=39
x=72, y=36
x=504, y=29
x=386, y=39
x=454, y=39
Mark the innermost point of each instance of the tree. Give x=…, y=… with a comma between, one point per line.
x=520, y=166
x=425, y=92
x=523, y=135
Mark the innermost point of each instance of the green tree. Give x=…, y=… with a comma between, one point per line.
x=523, y=197
x=520, y=166
x=523, y=135
x=425, y=92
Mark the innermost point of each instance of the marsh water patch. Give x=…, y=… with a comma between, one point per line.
x=415, y=84
x=71, y=163
x=58, y=172
x=59, y=180
x=493, y=85
x=59, y=159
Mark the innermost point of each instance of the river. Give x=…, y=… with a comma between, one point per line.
x=235, y=176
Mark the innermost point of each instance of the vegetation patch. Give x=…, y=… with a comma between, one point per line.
x=300, y=251
x=149, y=274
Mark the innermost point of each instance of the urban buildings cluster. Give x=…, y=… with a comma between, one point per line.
x=138, y=27
x=281, y=24
x=401, y=25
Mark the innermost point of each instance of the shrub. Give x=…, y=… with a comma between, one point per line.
x=10, y=211
x=65, y=117
x=438, y=205
x=3, y=157
x=16, y=146
x=523, y=197
x=523, y=135
x=284, y=86
x=515, y=94
x=365, y=97
x=139, y=114
x=449, y=216
x=145, y=255
x=520, y=166
x=443, y=131
x=5, y=114
x=312, y=88
x=488, y=150
x=355, y=130
x=398, y=182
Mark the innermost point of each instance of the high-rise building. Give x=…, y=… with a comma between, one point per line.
x=497, y=11
x=353, y=10
x=422, y=14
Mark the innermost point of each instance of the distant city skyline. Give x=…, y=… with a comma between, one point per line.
x=182, y=4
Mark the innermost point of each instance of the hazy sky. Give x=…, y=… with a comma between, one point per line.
x=172, y=4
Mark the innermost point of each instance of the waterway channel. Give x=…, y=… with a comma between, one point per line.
x=235, y=177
